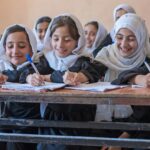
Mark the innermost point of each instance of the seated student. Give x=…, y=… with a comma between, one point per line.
x=117, y=13
x=16, y=42
x=95, y=33
x=64, y=42
x=39, y=30
x=129, y=51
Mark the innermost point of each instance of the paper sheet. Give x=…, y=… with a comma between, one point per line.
x=98, y=86
x=28, y=87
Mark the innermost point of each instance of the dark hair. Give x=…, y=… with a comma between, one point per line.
x=65, y=21
x=15, y=28
x=43, y=19
x=94, y=23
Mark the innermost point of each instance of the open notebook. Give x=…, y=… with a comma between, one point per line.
x=98, y=86
x=28, y=87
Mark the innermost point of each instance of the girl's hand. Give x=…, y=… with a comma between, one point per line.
x=74, y=78
x=142, y=80
x=3, y=78
x=35, y=79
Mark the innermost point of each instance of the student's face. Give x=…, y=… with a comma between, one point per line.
x=41, y=29
x=62, y=42
x=119, y=13
x=17, y=46
x=90, y=35
x=126, y=42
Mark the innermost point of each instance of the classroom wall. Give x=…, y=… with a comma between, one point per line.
x=27, y=11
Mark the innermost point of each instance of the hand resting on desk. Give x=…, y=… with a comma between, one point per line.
x=3, y=78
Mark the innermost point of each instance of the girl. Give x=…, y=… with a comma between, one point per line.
x=94, y=34
x=64, y=42
x=40, y=29
x=16, y=42
x=117, y=13
x=129, y=50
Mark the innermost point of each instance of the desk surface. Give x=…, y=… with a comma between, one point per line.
x=132, y=96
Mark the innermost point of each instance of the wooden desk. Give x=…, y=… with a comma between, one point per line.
x=127, y=96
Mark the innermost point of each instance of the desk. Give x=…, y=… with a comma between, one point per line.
x=127, y=96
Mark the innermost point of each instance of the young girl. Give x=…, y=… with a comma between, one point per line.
x=64, y=42
x=16, y=42
x=117, y=13
x=129, y=51
x=95, y=33
x=40, y=29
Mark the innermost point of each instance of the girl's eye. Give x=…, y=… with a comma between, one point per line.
x=119, y=37
x=55, y=39
x=21, y=45
x=9, y=45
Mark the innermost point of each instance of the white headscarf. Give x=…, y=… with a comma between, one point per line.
x=5, y=63
x=59, y=63
x=125, y=7
x=100, y=36
x=111, y=57
x=40, y=43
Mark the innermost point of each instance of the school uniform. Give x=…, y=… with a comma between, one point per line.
x=14, y=109
x=111, y=57
x=75, y=62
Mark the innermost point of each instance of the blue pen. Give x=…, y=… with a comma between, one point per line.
x=31, y=62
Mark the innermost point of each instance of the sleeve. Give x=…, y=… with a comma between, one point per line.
x=42, y=66
x=125, y=76
x=13, y=75
x=93, y=70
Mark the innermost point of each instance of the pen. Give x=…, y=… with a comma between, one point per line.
x=31, y=62
x=147, y=65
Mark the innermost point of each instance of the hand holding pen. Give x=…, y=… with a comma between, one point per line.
x=74, y=78
x=34, y=79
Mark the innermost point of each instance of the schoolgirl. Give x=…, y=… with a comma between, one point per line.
x=40, y=29
x=129, y=51
x=16, y=42
x=95, y=33
x=64, y=43
x=117, y=13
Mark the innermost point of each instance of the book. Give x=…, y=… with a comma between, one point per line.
x=28, y=87
x=98, y=86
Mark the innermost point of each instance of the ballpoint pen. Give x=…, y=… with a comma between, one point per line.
x=31, y=62
x=33, y=65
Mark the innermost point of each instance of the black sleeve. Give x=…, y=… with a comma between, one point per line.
x=125, y=76
x=107, y=41
x=93, y=70
x=13, y=75
x=42, y=66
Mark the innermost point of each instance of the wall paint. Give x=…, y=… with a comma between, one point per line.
x=27, y=11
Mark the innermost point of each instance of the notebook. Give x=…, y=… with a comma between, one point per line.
x=98, y=86
x=28, y=87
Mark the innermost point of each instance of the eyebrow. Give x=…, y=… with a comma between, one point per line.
x=132, y=35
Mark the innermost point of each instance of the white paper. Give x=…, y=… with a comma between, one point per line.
x=28, y=87
x=98, y=86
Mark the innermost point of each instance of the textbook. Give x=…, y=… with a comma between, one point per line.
x=28, y=87
x=98, y=86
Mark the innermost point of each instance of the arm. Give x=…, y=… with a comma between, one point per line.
x=127, y=77
x=42, y=66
